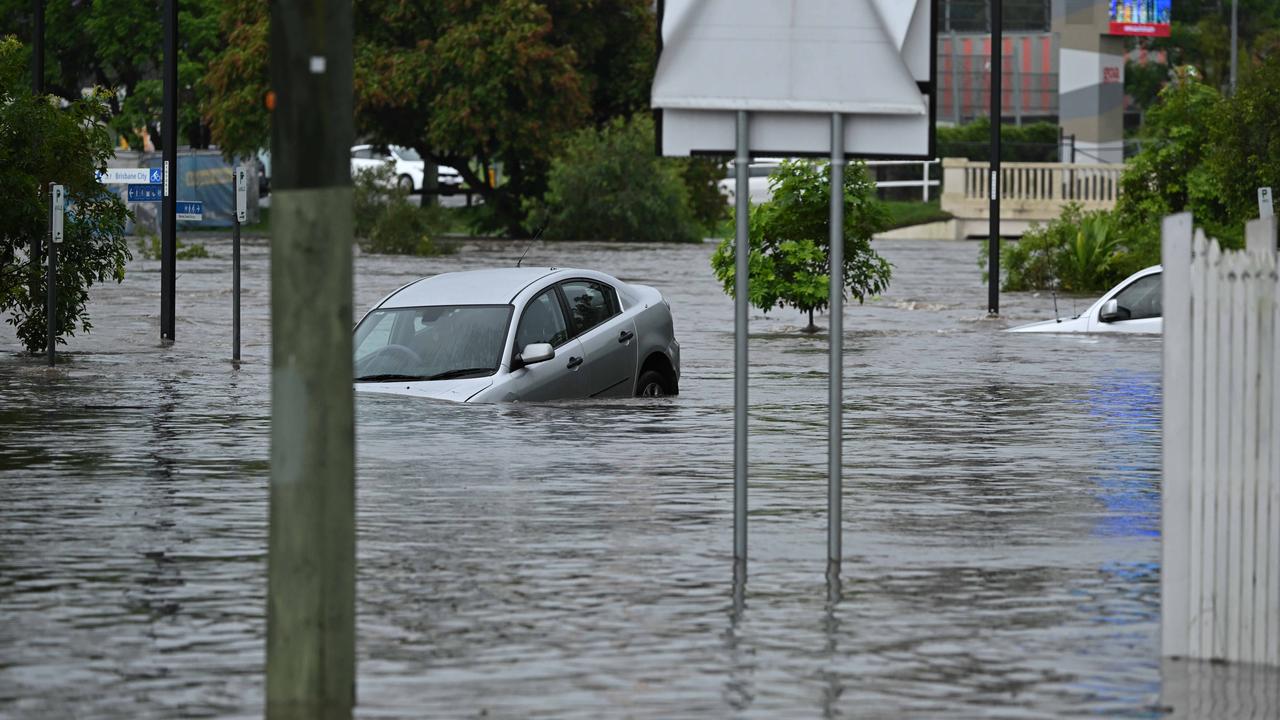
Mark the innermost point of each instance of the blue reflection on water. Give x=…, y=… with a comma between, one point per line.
x=1128, y=408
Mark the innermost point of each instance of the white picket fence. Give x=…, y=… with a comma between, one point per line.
x=1220, y=577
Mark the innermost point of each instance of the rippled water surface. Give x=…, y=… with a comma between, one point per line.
x=573, y=559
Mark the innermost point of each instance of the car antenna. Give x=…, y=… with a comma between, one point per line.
x=1053, y=285
x=532, y=240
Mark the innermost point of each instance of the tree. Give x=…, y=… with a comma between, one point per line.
x=789, y=237
x=1243, y=150
x=118, y=45
x=495, y=82
x=41, y=143
x=1158, y=180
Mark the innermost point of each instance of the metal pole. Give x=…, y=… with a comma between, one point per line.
x=37, y=86
x=311, y=543
x=235, y=293
x=169, y=207
x=742, y=250
x=1235, y=34
x=51, y=299
x=835, y=401
x=37, y=47
x=997, y=91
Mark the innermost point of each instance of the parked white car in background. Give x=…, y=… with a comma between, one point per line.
x=1133, y=306
x=408, y=167
x=524, y=334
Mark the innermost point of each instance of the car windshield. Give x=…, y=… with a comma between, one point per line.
x=437, y=342
x=406, y=153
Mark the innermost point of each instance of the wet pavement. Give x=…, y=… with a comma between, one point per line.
x=572, y=559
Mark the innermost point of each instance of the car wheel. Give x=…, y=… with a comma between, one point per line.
x=405, y=183
x=653, y=384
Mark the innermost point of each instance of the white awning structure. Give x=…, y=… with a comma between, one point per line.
x=792, y=63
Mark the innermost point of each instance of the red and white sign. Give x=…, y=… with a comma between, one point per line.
x=1140, y=29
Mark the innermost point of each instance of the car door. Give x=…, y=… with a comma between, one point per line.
x=543, y=321
x=608, y=338
x=1140, y=300
x=362, y=159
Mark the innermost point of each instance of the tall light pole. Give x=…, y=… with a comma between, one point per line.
x=169, y=155
x=1235, y=34
x=997, y=103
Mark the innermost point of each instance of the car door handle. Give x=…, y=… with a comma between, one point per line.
x=574, y=362
x=626, y=336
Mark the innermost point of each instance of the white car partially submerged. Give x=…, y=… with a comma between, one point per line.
x=1133, y=306
x=519, y=334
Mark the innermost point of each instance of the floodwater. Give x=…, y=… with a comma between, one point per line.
x=573, y=560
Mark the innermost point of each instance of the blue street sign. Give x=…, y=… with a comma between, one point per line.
x=156, y=176
x=145, y=193
x=190, y=210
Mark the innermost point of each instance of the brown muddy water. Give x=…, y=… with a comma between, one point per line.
x=572, y=560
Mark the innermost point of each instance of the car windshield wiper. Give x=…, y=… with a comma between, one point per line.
x=459, y=373
x=390, y=376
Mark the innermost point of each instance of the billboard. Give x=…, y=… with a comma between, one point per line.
x=792, y=65
x=1143, y=18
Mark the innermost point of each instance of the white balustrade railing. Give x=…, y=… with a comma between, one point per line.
x=1028, y=191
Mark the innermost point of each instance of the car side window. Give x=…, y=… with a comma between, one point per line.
x=542, y=322
x=1141, y=298
x=590, y=303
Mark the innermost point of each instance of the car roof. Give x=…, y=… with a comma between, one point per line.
x=496, y=286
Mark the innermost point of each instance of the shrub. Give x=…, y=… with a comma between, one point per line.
x=1076, y=252
x=387, y=223
x=1034, y=142
x=790, y=238
x=607, y=184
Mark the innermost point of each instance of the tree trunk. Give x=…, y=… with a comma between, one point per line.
x=811, y=328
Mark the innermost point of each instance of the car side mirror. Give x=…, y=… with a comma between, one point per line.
x=535, y=353
x=1111, y=312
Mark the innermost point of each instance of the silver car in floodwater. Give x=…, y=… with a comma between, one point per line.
x=524, y=334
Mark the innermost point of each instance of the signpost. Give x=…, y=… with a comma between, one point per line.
x=190, y=210
x=763, y=78
x=127, y=176
x=145, y=193
x=1265, y=207
x=242, y=214
x=57, y=216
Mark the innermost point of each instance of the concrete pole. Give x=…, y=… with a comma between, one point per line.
x=311, y=542
x=835, y=400
x=742, y=249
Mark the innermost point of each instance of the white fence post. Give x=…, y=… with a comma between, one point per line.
x=1175, y=504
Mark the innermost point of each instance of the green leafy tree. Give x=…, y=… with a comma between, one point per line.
x=41, y=143
x=470, y=84
x=1158, y=180
x=1243, y=150
x=607, y=184
x=118, y=45
x=790, y=240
